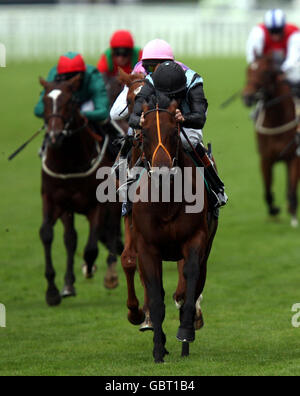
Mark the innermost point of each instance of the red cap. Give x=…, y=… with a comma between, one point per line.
x=122, y=38
x=67, y=64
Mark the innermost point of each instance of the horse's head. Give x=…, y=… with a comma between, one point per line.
x=262, y=75
x=59, y=108
x=134, y=82
x=161, y=137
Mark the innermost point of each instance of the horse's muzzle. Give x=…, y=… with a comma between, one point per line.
x=55, y=139
x=249, y=100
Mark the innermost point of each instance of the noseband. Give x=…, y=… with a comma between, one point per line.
x=68, y=121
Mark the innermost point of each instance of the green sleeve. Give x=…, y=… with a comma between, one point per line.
x=39, y=108
x=98, y=95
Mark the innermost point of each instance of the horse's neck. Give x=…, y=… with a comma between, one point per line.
x=282, y=111
x=75, y=154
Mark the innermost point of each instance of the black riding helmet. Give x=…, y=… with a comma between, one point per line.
x=169, y=78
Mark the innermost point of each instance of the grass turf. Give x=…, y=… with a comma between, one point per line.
x=253, y=273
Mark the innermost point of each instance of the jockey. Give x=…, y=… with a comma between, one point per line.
x=186, y=87
x=92, y=94
x=278, y=37
x=155, y=52
x=122, y=53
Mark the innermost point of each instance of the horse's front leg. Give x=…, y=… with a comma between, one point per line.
x=129, y=263
x=150, y=264
x=70, y=239
x=91, y=250
x=267, y=171
x=50, y=216
x=194, y=253
x=293, y=172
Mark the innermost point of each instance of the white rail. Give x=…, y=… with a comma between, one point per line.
x=32, y=32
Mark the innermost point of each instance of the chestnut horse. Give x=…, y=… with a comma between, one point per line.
x=165, y=232
x=276, y=127
x=69, y=185
x=135, y=82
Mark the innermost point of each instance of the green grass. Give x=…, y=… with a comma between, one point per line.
x=253, y=272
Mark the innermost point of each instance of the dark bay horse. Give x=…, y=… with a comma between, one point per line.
x=276, y=127
x=69, y=185
x=166, y=232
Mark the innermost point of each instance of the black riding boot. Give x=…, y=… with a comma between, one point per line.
x=124, y=153
x=215, y=183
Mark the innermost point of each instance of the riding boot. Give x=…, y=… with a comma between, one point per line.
x=215, y=183
x=124, y=153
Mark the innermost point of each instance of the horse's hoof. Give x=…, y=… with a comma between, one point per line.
x=199, y=321
x=185, y=351
x=68, y=291
x=86, y=273
x=111, y=282
x=53, y=298
x=147, y=324
x=136, y=317
x=186, y=335
x=274, y=211
x=294, y=222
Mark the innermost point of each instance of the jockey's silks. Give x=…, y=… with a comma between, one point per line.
x=92, y=89
x=271, y=45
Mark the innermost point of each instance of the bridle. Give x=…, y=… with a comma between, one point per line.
x=158, y=110
x=67, y=131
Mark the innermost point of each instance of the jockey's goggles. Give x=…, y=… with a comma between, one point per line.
x=276, y=31
x=150, y=66
x=124, y=52
x=66, y=76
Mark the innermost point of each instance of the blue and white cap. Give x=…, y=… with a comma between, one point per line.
x=275, y=19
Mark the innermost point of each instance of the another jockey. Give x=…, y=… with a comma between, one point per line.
x=92, y=94
x=280, y=38
x=186, y=87
x=122, y=53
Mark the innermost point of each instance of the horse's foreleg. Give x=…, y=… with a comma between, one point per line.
x=293, y=170
x=151, y=268
x=70, y=239
x=179, y=295
x=115, y=245
x=266, y=166
x=129, y=263
x=194, y=253
x=91, y=250
x=47, y=235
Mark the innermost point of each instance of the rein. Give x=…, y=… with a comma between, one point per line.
x=160, y=143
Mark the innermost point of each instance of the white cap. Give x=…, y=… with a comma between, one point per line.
x=275, y=19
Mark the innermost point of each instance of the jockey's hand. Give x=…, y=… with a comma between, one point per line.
x=142, y=120
x=178, y=116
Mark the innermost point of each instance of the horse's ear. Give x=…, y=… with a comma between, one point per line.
x=123, y=77
x=173, y=107
x=43, y=82
x=74, y=83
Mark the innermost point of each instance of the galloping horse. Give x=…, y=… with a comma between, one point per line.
x=135, y=82
x=69, y=185
x=276, y=127
x=165, y=232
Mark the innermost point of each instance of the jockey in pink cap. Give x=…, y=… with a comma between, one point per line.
x=155, y=52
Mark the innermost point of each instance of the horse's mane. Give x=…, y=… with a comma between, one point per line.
x=159, y=99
